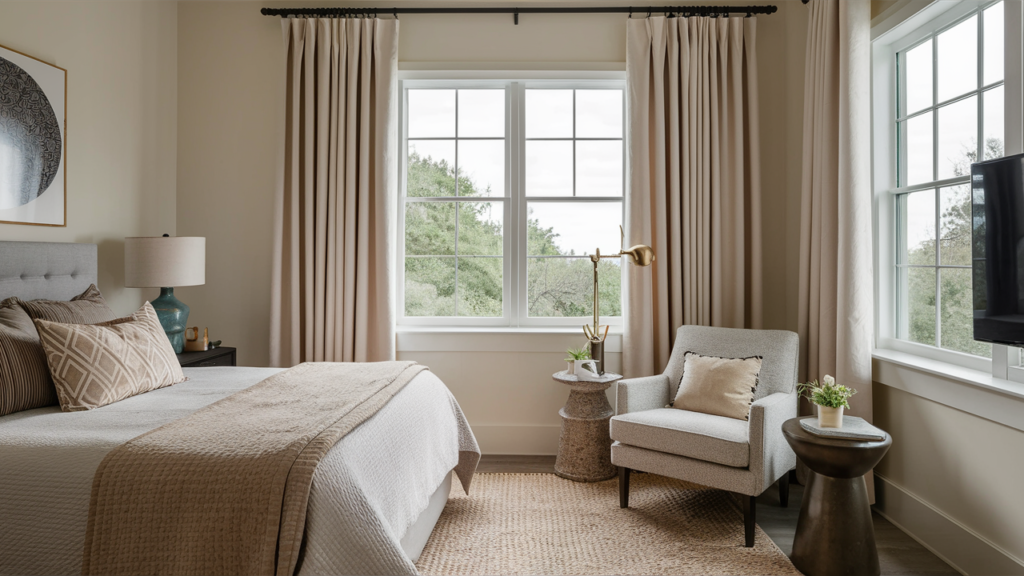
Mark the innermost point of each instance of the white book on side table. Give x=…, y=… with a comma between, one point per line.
x=854, y=428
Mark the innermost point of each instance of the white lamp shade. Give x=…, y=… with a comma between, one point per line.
x=164, y=262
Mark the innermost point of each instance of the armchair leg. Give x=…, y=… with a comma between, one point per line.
x=784, y=490
x=749, y=506
x=623, y=487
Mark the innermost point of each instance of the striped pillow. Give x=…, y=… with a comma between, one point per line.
x=24, y=377
x=86, y=308
x=96, y=365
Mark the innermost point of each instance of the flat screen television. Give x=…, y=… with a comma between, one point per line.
x=997, y=249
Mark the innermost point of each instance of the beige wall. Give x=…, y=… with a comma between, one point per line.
x=121, y=60
x=966, y=468
x=880, y=6
x=230, y=61
x=505, y=388
x=228, y=104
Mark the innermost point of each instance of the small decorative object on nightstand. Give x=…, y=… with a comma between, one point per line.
x=575, y=355
x=192, y=341
x=221, y=356
x=584, y=447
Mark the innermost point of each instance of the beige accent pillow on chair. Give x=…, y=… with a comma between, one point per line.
x=718, y=386
x=95, y=365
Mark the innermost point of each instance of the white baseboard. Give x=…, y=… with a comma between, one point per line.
x=965, y=550
x=529, y=440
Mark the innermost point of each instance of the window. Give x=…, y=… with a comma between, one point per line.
x=948, y=114
x=507, y=188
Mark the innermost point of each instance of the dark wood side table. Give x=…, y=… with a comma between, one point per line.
x=219, y=356
x=834, y=533
x=584, y=446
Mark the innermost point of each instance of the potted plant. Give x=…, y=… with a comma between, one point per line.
x=574, y=355
x=830, y=398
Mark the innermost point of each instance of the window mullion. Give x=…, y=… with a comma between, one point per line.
x=938, y=273
x=935, y=114
x=510, y=286
x=980, y=110
x=574, y=143
x=455, y=304
x=522, y=225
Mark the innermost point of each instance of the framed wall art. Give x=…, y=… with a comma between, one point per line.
x=33, y=141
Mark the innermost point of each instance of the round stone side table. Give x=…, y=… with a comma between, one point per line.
x=584, y=447
x=834, y=533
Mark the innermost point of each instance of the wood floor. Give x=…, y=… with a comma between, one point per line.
x=897, y=552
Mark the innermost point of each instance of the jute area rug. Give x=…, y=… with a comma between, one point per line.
x=543, y=524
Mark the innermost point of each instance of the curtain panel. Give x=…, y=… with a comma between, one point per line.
x=333, y=286
x=836, y=300
x=694, y=182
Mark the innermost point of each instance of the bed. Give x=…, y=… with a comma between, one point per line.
x=374, y=500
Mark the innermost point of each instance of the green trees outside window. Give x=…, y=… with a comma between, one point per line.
x=454, y=257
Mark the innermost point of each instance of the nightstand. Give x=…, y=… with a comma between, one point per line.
x=219, y=356
x=584, y=447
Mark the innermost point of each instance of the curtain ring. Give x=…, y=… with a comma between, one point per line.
x=648, y=11
x=396, y=13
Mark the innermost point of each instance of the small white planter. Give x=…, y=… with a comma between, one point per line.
x=572, y=368
x=830, y=417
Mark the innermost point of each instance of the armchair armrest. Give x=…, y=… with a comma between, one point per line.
x=770, y=454
x=636, y=394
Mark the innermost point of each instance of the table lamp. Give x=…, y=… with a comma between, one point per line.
x=639, y=255
x=166, y=262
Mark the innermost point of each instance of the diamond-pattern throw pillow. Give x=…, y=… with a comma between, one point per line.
x=95, y=365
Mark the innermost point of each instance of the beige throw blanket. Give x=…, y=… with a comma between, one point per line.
x=225, y=490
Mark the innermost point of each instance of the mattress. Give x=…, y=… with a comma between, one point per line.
x=366, y=493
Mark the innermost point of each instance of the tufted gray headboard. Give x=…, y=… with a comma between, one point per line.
x=50, y=270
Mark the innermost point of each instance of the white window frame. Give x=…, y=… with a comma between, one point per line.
x=514, y=274
x=928, y=22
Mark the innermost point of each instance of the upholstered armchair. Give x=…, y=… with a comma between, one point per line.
x=745, y=457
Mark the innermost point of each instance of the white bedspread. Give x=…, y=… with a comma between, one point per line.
x=366, y=493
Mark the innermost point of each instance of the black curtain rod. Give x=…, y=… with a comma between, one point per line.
x=681, y=11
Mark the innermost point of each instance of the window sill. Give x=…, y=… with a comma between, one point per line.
x=967, y=390
x=497, y=339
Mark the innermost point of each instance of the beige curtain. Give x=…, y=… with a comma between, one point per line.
x=334, y=270
x=694, y=181
x=836, y=271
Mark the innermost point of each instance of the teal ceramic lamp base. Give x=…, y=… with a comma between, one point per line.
x=173, y=315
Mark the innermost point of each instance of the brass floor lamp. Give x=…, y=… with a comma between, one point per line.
x=639, y=255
